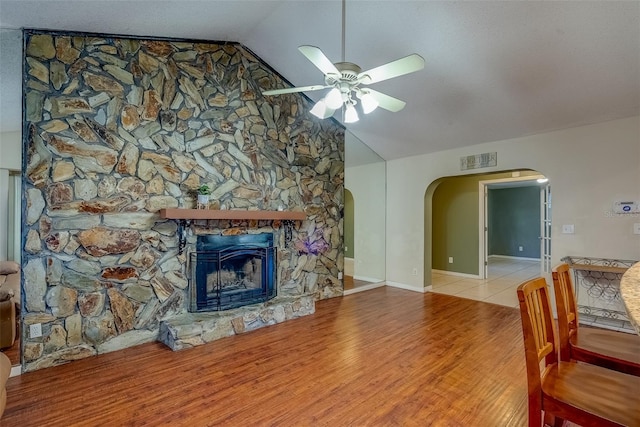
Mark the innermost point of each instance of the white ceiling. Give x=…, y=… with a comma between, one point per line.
x=494, y=70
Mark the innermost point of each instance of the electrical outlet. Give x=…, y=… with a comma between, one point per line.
x=636, y=228
x=35, y=330
x=567, y=229
x=450, y=260
x=414, y=272
x=520, y=248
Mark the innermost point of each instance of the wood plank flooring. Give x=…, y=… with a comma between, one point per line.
x=385, y=357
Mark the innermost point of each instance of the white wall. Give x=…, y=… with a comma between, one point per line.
x=589, y=168
x=10, y=150
x=10, y=159
x=367, y=184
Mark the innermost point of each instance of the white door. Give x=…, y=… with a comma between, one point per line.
x=484, y=274
x=545, y=230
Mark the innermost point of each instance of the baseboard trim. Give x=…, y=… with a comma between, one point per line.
x=455, y=273
x=514, y=257
x=364, y=288
x=409, y=287
x=15, y=371
x=368, y=279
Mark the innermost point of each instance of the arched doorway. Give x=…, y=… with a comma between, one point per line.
x=458, y=229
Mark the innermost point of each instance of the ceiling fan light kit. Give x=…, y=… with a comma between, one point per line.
x=369, y=103
x=333, y=99
x=321, y=110
x=350, y=114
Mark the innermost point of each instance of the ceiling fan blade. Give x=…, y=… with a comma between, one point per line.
x=387, y=102
x=294, y=89
x=399, y=67
x=319, y=59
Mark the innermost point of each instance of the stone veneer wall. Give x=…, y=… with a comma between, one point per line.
x=117, y=128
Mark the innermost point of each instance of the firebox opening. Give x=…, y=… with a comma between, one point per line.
x=232, y=271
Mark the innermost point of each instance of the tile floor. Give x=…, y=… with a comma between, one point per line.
x=505, y=275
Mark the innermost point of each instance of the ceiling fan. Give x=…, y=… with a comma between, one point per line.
x=346, y=80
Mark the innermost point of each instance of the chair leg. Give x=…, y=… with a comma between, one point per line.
x=536, y=416
x=549, y=419
x=553, y=421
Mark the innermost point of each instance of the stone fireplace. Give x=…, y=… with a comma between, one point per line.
x=231, y=271
x=119, y=128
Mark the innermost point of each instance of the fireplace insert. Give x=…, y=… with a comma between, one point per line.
x=231, y=271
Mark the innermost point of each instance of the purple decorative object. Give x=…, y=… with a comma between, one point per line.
x=317, y=247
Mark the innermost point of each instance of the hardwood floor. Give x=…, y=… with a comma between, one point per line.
x=385, y=357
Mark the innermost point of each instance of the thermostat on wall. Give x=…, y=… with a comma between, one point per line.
x=626, y=207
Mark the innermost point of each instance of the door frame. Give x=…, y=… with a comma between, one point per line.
x=483, y=217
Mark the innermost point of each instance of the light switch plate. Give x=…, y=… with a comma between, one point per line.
x=636, y=228
x=567, y=229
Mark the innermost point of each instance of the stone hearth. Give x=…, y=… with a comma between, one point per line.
x=192, y=329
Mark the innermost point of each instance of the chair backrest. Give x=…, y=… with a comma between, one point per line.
x=5, y=371
x=567, y=308
x=539, y=335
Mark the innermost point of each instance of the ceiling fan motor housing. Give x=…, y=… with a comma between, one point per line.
x=347, y=81
x=348, y=70
x=349, y=73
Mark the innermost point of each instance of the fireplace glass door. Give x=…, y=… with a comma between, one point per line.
x=232, y=271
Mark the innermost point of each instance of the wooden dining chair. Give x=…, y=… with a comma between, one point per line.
x=611, y=349
x=581, y=393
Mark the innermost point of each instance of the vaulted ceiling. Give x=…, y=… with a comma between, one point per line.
x=494, y=70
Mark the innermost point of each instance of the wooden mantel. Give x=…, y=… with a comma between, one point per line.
x=185, y=216
x=205, y=214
